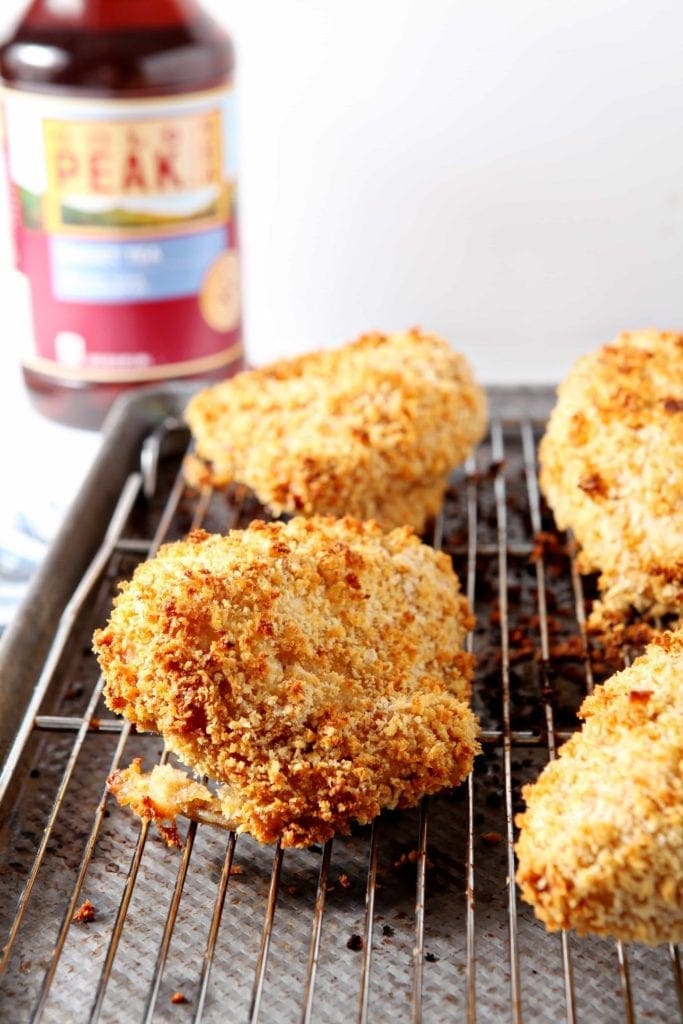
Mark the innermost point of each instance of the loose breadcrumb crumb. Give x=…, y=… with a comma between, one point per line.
x=85, y=913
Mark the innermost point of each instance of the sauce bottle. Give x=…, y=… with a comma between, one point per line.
x=120, y=145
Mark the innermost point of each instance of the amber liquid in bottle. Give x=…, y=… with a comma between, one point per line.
x=113, y=50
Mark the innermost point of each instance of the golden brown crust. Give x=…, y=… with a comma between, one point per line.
x=601, y=846
x=370, y=430
x=315, y=667
x=612, y=469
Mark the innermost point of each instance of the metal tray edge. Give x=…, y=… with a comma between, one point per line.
x=27, y=640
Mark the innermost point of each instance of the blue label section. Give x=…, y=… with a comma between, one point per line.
x=135, y=271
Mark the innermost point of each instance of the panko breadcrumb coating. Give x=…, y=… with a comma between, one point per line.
x=601, y=846
x=370, y=430
x=314, y=667
x=612, y=470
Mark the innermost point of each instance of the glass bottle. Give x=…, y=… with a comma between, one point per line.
x=120, y=146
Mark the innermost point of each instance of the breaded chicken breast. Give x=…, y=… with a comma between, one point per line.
x=370, y=430
x=601, y=843
x=314, y=668
x=612, y=469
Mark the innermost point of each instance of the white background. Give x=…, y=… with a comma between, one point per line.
x=506, y=172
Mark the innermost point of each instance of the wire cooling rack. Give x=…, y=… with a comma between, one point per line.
x=413, y=919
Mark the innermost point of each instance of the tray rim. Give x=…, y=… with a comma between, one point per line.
x=26, y=641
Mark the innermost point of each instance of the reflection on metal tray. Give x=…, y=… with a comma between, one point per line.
x=414, y=918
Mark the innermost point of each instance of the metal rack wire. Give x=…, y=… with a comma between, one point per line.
x=415, y=918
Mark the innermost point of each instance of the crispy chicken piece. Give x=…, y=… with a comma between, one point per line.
x=601, y=843
x=370, y=430
x=612, y=470
x=314, y=667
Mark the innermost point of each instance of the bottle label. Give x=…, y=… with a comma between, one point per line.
x=125, y=225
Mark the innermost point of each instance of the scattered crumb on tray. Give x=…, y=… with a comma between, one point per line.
x=85, y=913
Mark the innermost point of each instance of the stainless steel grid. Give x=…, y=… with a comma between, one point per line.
x=415, y=918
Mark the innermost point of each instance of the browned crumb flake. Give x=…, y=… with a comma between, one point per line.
x=371, y=429
x=571, y=649
x=411, y=857
x=601, y=843
x=593, y=485
x=639, y=696
x=315, y=701
x=548, y=545
x=85, y=913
